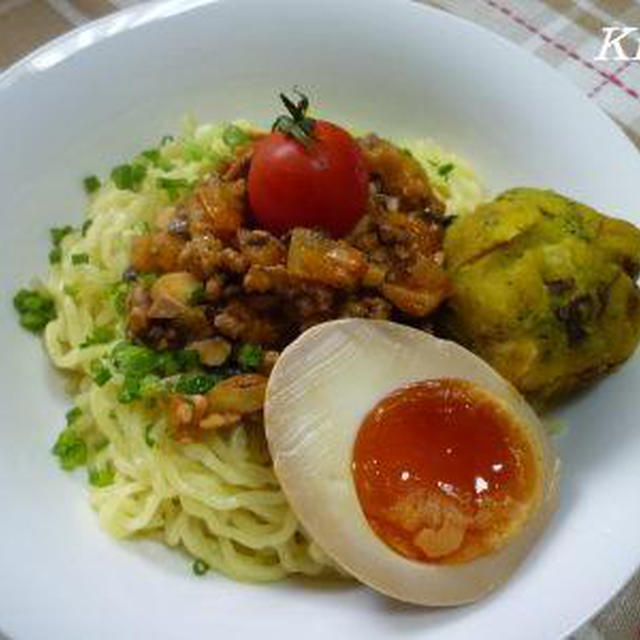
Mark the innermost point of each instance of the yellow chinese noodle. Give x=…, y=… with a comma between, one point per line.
x=218, y=499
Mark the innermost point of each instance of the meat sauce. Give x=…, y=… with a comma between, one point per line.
x=444, y=473
x=205, y=278
x=261, y=288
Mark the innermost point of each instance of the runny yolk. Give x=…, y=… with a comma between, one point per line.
x=444, y=473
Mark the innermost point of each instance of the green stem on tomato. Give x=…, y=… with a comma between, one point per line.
x=296, y=124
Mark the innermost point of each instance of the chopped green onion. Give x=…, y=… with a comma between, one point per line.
x=128, y=176
x=100, y=373
x=174, y=187
x=193, y=151
x=86, y=226
x=171, y=362
x=152, y=155
x=100, y=335
x=36, y=309
x=148, y=438
x=70, y=449
x=138, y=174
x=58, y=233
x=120, y=294
x=91, y=184
x=166, y=363
x=133, y=360
x=445, y=169
x=197, y=295
x=102, y=477
x=130, y=390
x=79, y=258
x=55, y=255
x=250, y=356
x=186, y=359
x=233, y=136
x=72, y=415
x=166, y=140
x=200, y=567
x=143, y=369
x=196, y=384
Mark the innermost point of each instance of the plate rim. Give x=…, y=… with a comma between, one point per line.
x=133, y=17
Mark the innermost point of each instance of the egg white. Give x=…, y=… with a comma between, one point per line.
x=319, y=392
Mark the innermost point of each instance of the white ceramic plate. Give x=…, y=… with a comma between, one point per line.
x=92, y=99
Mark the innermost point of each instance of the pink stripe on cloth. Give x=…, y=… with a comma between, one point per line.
x=562, y=47
x=621, y=69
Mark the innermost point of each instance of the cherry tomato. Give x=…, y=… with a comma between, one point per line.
x=313, y=178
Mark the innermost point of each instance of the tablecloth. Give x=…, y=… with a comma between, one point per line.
x=567, y=34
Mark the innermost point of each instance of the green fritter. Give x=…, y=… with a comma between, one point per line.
x=544, y=290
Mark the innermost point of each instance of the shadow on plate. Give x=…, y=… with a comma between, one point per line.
x=325, y=584
x=600, y=420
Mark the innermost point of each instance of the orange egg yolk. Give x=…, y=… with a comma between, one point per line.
x=444, y=472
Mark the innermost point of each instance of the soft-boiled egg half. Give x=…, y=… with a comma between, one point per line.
x=409, y=460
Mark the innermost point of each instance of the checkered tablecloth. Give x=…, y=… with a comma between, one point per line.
x=567, y=34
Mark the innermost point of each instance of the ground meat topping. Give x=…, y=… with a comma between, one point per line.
x=397, y=174
x=227, y=282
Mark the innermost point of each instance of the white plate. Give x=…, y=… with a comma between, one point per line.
x=92, y=99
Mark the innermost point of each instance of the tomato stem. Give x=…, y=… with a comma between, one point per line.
x=296, y=124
